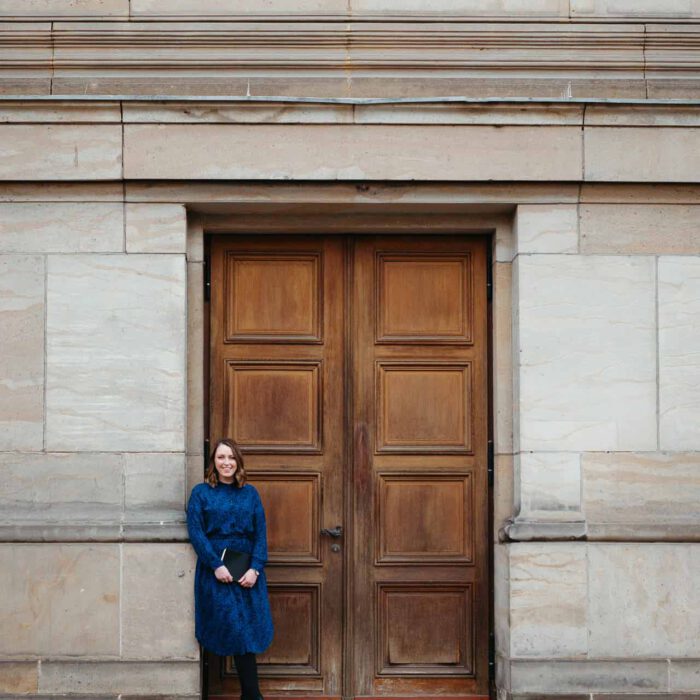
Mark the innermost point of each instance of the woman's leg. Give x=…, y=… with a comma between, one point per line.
x=247, y=669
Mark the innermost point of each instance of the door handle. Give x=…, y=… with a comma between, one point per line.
x=337, y=531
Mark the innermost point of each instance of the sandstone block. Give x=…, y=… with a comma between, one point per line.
x=61, y=227
x=502, y=314
x=631, y=8
x=158, y=602
x=155, y=228
x=59, y=599
x=549, y=481
x=330, y=152
x=155, y=481
x=18, y=678
x=542, y=228
x=60, y=151
x=679, y=359
x=501, y=598
x=61, y=487
x=638, y=154
x=685, y=676
x=65, y=8
x=246, y=7
x=113, y=382
x=636, y=488
x=644, y=600
x=548, y=587
x=640, y=229
x=565, y=677
x=503, y=498
x=587, y=353
x=120, y=677
x=195, y=357
x=22, y=356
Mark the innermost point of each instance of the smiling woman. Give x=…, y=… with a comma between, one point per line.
x=232, y=616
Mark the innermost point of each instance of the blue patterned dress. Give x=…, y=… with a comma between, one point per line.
x=229, y=619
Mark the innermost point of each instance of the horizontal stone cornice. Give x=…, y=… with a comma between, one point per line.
x=300, y=45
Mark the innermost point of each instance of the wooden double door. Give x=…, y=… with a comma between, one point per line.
x=353, y=373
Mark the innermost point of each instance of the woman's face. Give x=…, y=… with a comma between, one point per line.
x=225, y=463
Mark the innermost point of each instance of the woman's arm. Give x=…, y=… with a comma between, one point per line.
x=198, y=538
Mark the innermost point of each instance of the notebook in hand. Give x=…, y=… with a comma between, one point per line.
x=236, y=562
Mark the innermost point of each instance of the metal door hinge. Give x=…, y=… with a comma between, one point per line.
x=489, y=277
x=490, y=462
x=207, y=278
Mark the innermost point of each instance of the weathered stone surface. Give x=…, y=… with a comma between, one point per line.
x=542, y=228
x=501, y=598
x=59, y=599
x=629, y=488
x=652, y=229
x=155, y=228
x=195, y=471
x=246, y=8
x=503, y=498
x=61, y=192
x=685, y=676
x=18, y=678
x=157, y=601
x=631, y=8
x=60, y=152
x=549, y=481
x=328, y=152
x=120, y=677
x=502, y=312
x=195, y=357
x=485, y=8
x=644, y=600
x=564, y=677
x=548, y=590
x=58, y=111
x=639, y=154
x=679, y=354
x=587, y=353
x=22, y=356
x=64, y=8
x=115, y=358
x=61, y=227
x=155, y=481
x=64, y=487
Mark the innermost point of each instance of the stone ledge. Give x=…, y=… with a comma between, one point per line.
x=523, y=530
x=167, y=528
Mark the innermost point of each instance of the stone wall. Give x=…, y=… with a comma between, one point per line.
x=606, y=448
x=103, y=208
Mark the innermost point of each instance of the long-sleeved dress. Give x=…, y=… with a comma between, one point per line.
x=229, y=619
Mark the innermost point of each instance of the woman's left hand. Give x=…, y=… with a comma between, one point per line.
x=249, y=579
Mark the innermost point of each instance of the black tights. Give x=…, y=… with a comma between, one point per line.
x=247, y=670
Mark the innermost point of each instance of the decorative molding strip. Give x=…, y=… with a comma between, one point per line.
x=454, y=46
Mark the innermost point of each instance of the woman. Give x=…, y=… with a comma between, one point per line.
x=232, y=618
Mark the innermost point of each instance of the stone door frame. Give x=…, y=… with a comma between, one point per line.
x=432, y=214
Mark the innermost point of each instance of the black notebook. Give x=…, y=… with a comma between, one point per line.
x=236, y=562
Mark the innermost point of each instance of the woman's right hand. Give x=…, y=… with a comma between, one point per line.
x=222, y=574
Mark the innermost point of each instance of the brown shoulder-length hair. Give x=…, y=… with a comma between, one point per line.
x=211, y=476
